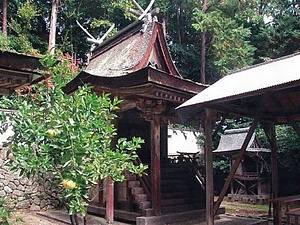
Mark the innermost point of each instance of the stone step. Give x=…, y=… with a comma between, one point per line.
x=141, y=197
x=130, y=176
x=148, y=212
x=137, y=190
x=133, y=184
x=145, y=205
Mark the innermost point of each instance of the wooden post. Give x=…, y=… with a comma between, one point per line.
x=274, y=149
x=155, y=165
x=235, y=165
x=209, y=168
x=109, y=200
x=271, y=135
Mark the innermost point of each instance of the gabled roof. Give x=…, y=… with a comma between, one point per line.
x=17, y=70
x=232, y=140
x=269, y=91
x=136, y=62
x=137, y=46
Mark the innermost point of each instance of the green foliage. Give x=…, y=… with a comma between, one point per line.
x=288, y=143
x=5, y=214
x=4, y=43
x=20, y=26
x=231, y=47
x=69, y=136
x=221, y=164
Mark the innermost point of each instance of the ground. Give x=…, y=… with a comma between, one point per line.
x=245, y=210
x=25, y=217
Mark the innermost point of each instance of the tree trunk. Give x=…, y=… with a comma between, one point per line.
x=203, y=48
x=203, y=56
x=53, y=22
x=4, y=19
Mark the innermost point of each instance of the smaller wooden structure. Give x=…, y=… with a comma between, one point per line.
x=17, y=70
x=251, y=182
x=269, y=94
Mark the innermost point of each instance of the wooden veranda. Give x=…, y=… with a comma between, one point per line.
x=268, y=93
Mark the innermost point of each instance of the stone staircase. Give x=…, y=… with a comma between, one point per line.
x=141, y=199
x=181, y=191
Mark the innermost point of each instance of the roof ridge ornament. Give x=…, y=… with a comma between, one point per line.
x=145, y=15
x=95, y=41
x=91, y=38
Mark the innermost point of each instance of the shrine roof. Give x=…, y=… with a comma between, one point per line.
x=139, y=45
x=136, y=61
x=232, y=140
x=17, y=70
x=268, y=91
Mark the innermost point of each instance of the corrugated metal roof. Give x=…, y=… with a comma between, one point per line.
x=250, y=80
x=246, y=82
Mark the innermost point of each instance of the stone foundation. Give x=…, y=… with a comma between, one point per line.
x=20, y=192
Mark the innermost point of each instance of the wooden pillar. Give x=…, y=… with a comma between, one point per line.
x=109, y=200
x=209, y=168
x=164, y=141
x=270, y=132
x=155, y=165
x=274, y=166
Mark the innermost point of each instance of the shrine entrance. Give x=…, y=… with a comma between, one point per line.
x=135, y=66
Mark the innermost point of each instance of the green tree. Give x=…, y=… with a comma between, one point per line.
x=21, y=36
x=229, y=44
x=70, y=139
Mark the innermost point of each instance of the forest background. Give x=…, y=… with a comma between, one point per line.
x=207, y=38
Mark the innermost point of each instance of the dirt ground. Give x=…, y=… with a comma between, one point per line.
x=25, y=217
x=245, y=210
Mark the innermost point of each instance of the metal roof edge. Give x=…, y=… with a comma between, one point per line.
x=265, y=63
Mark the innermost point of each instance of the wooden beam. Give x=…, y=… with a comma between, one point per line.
x=209, y=167
x=5, y=91
x=155, y=165
x=293, y=124
x=235, y=165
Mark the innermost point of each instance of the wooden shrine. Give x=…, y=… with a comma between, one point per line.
x=18, y=70
x=251, y=181
x=136, y=66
